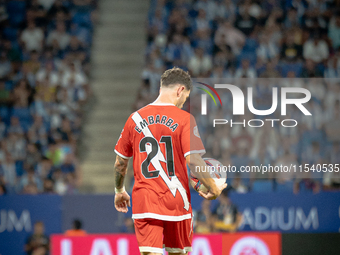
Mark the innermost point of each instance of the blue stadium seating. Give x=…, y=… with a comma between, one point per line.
x=295, y=67
x=4, y=112
x=83, y=19
x=11, y=33
x=19, y=167
x=22, y=113
x=285, y=187
x=16, y=11
x=262, y=186
x=250, y=45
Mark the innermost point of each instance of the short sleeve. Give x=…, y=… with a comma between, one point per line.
x=123, y=146
x=190, y=138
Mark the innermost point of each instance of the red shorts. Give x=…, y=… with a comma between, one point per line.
x=153, y=235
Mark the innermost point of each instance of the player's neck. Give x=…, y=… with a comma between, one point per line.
x=165, y=99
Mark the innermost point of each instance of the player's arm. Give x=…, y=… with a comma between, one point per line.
x=195, y=161
x=122, y=198
x=120, y=170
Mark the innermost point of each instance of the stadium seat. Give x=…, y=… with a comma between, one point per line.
x=19, y=167
x=10, y=33
x=303, y=188
x=26, y=124
x=16, y=11
x=295, y=67
x=83, y=19
x=249, y=55
x=4, y=112
x=250, y=45
x=9, y=85
x=22, y=113
x=288, y=186
x=262, y=186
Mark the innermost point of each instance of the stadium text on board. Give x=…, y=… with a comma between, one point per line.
x=239, y=102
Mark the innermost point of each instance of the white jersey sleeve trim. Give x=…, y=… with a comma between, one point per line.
x=121, y=155
x=161, y=217
x=178, y=250
x=150, y=249
x=201, y=152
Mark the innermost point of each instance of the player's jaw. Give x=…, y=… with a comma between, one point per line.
x=183, y=95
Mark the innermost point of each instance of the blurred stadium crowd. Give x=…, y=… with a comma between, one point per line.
x=246, y=43
x=44, y=64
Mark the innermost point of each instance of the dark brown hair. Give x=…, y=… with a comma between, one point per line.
x=175, y=76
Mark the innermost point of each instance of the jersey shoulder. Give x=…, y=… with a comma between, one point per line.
x=150, y=108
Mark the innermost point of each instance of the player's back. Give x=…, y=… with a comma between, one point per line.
x=160, y=137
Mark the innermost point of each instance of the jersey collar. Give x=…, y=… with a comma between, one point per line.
x=161, y=104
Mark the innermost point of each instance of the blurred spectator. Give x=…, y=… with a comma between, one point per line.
x=3, y=12
x=290, y=50
x=73, y=74
x=48, y=186
x=310, y=70
x=292, y=19
x=179, y=51
x=316, y=49
x=312, y=154
x=76, y=229
x=30, y=189
x=60, y=35
x=270, y=71
x=231, y=36
x=287, y=159
x=32, y=37
x=2, y=189
x=204, y=218
x=15, y=127
x=238, y=185
x=30, y=178
x=334, y=31
x=201, y=22
x=32, y=64
x=36, y=12
x=57, y=7
x=200, y=63
x=5, y=95
x=128, y=226
x=38, y=240
x=59, y=182
x=226, y=215
x=245, y=71
x=332, y=69
x=244, y=22
x=68, y=166
x=225, y=9
x=331, y=180
x=5, y=65
x=266, y=50
x=9, y=172
x=48, y=74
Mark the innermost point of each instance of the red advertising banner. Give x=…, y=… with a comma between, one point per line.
x=126, y=244
x=119, y=244
x=252, y=243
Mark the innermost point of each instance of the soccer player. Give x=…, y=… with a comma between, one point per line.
x=162, y=139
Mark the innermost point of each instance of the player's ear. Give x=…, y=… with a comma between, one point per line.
x=180, y=89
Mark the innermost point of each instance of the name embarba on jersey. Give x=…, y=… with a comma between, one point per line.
x=159, y=137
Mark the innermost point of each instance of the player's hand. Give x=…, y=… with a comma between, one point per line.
x=213, y=195
x=122, y=201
